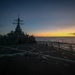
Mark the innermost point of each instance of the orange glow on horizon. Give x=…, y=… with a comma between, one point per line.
x=53, y=35
x=56, y=33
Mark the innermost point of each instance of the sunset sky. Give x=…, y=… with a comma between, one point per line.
x=41, y=17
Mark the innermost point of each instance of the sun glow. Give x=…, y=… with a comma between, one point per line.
x=70, y=31
x=54, y=35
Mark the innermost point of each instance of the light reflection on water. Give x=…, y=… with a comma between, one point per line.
x=58, y=39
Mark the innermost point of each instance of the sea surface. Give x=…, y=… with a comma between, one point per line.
x=57, y=39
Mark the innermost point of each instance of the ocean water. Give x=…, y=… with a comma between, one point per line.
x=57, y=39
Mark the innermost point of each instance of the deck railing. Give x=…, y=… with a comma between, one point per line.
x=59, y=45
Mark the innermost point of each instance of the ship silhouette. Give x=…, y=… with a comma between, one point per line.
x=17, y=36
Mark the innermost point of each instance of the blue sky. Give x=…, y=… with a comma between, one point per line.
x=40, y=16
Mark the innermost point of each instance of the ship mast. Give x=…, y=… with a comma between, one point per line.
x=18, y=22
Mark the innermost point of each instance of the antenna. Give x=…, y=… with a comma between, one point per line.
x=18, y=15
x=18, y=21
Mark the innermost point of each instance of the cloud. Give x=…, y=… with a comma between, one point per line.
x=72, y=33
